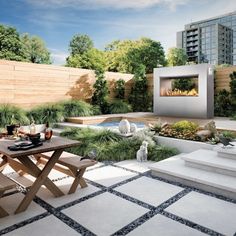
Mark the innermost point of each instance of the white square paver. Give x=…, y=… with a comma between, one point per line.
x=64, y=185
x=10, y=204
x=207, y=211
x=151, y=191
x=135, y=165
x=163, y=226
x=105, y=213
x=44, y=227
x=108, y=175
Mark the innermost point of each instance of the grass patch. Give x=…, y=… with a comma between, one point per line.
x=111, y=146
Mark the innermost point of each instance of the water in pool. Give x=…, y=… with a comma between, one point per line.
x=116, y=124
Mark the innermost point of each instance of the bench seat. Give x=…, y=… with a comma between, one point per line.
x=69, y=164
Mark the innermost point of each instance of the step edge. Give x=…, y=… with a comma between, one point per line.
x=197, y=180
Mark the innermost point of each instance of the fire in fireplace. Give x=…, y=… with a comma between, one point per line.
x=179, y=86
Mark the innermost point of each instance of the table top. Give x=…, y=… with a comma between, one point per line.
x=55, y=143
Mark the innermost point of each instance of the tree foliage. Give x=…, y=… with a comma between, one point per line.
x=125, y=56
x=100, y=94
x=11, y=47
x=232, y=86
x=139, y=98
x=80, y=44
x=35, y=50
x=176, y=57
x=92, y=59
x=120, y=89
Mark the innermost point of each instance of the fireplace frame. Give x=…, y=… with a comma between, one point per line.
x=201, y=106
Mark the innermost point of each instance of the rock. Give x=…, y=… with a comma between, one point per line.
x=133, y=128
x=124, y=126
x=211, y=126
x=204, y=134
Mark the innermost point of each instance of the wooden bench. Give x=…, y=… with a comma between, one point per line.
x=5, y=184
x=69, y=164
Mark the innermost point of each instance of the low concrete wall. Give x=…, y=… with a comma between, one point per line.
x=182, y=145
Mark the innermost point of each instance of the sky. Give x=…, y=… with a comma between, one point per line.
x=56, y=21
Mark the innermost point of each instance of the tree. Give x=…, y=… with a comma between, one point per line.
x=80, y=44
x=92, y=59
x=11, y=47
x=120, y=89
x=35, y=49
x=232, y=86
x=176, y=57
x=125, y=56
x=139, y=98
x=101, y=91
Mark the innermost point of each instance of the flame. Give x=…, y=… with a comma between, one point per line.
x=177, y=92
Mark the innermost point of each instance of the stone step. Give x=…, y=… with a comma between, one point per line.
x=227, y=152
x=174, y=169
x=57, y=131
x=210, y=161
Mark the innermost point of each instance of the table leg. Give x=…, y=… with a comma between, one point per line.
x=3, y=213
x=3, y=163
x=40, y=180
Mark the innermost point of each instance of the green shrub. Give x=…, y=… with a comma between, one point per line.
x=10, y=114
x=96, y=110
x=229, y=134
x=183, y=84
x=119, y=107
x=139, y=98
x=158, y=153
x=101, y=91
x=111, y=146
x=223, y=103
x=185, y=126
x=76, y=108
x=120, y=89
x=51, y=113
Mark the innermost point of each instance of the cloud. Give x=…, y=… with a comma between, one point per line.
x=58, y=57
x=115, y=4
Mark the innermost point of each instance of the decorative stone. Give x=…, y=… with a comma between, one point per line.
x=204, y=134
x=133, y=128
x=124, y=126
x=211, y=126
x=142, y=153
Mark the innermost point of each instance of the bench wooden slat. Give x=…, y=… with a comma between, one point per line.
x=71, y=161
x=71, y=165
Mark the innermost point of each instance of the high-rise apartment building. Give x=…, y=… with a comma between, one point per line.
x=210, y=41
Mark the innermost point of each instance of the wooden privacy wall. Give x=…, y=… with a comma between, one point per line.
x=222, y=77
x=28, y=85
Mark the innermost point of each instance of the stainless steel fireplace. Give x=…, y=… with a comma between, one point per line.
x=184, y=91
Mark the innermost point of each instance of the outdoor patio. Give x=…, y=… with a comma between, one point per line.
x=122, y=198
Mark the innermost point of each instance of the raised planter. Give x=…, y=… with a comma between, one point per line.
x=182, y=145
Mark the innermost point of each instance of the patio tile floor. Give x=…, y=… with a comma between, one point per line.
x=122, y=199
x=156, y=192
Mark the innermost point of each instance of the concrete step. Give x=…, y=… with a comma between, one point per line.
x=210, y=161
x=227, y=152
x=57, y=131
x=174, y=169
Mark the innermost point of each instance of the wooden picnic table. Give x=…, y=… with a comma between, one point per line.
x=24, y=163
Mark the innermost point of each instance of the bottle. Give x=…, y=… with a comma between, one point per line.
x=32, y=128
x=48, y=132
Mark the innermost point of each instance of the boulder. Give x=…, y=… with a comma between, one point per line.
x=204, y=134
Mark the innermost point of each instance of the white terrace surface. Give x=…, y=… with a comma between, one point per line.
x=118, y=195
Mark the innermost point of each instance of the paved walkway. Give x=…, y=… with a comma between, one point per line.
x=121, y=199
